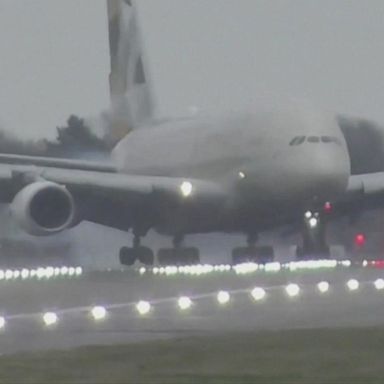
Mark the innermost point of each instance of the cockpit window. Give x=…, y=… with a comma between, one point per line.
x=313, y=139
x=297, y=140
x=327, y=139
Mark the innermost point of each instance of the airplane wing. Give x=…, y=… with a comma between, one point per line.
x=369, y=184
x=103, y=195
x=55, y=162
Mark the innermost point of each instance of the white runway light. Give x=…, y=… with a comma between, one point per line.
x=292, y=290
x=258, y=293
x=323, y=286
x=50, y=318
x=8, y=274
x=379, y=284
x=184, y=303
x=223, y=297
x=143, y=307
x=99, y=313
x=353, y=285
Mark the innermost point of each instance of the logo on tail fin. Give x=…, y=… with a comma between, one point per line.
x=131, y=98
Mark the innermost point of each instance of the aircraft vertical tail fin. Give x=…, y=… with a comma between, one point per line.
x=130, y=91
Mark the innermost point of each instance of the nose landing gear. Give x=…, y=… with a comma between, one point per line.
x=314, y=245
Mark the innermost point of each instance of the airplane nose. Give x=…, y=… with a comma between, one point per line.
x=330, y=173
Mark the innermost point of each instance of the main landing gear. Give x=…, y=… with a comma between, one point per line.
x=314, y=244
x=128, y=255
x=179, y=254
x=252, y=253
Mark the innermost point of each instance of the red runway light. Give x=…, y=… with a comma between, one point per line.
x=328, y=207
x=360, y=240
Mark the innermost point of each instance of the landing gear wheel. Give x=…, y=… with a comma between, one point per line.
x=128, y=256
x=188, y=256
x=265, y=254
x=313, y=253
x=146, y=256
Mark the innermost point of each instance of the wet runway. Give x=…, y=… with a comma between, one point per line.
x=350, y=295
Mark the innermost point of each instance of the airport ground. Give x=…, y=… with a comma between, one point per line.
x=352, y=355
x=313, y=332
x=24, y=303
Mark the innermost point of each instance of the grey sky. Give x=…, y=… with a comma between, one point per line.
x=202, y=53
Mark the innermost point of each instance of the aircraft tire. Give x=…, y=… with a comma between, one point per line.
x=189, y=256
x=265, y=254
x=127, y=256
x=313, y=254
x=145, y=255
x=178, y=256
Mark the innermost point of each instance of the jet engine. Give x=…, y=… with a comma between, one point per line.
x=43, y=208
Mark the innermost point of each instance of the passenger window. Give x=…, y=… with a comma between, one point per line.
x=313, y=139
x=297, y=140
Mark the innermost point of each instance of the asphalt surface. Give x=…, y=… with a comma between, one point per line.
x=22, y=303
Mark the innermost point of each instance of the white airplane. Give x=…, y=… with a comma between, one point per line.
x=247, y=172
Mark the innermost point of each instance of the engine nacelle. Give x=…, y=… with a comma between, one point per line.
x=43, y=208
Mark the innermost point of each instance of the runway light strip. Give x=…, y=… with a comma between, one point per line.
x=40, y=273
x=184, y=302
x=246, y=268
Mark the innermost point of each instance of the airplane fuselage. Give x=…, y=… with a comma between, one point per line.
x=272, y=162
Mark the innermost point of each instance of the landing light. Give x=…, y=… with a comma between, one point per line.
x=241, y=175
x=186, y=188
x=308, y=215
x=313, y=222
x=2, y=322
